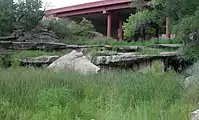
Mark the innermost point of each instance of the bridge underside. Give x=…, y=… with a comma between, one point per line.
x=110, y=23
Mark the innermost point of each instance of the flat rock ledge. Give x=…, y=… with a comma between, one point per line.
x=137, y=48
x=102, y=60
x=124, y=48
x=172, y=46
x=105, y=60
x=10, y=45
x=38, y=61
x=13, y=45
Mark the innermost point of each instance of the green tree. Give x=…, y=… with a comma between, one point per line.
x=138, y=23
x=6, y=17
x=28, y=13
x=157, y=11
x=25, y=14
x=86, y=27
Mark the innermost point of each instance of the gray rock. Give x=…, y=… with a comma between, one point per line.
x=11, y=45
x=38, y=61
x=8, y=38
x=76, y=61
x=190, y=81
x=193, y=70
x=195, y=115
x=126, y=57
x=174, y=46
x=37, y=34
x=124, y=48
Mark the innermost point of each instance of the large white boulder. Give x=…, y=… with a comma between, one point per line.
x=76, y=61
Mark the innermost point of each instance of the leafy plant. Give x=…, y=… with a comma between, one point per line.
x=137, y=23
x=70, y=31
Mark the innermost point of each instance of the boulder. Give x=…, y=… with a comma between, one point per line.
x=76, y=61
x=192, y=72
x=195, y=115
x=190, y=81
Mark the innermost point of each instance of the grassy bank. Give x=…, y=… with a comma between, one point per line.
x=116, y=43
x=38, y=94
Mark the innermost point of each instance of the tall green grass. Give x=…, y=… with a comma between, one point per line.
x=40, y=94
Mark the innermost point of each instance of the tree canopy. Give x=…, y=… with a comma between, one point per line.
x=178, y=11
x=21, y=13
x=6, y=16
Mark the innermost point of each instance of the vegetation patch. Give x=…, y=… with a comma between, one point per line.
x=37, y=94
x=28, y=54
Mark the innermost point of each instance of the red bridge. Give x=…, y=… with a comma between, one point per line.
x=107, y=15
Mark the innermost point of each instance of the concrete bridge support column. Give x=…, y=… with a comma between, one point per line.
x=109, y=24
x=120, y=30
x=167, y=28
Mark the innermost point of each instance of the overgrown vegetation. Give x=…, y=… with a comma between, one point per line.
x=38, y=94
x=148, y=94
x=19, y=14
x=25, y=17
x=70, y=31
x=27, y=54
x=151, y=18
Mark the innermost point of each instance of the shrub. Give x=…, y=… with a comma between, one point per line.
x=60, y=27
x=190, y=52
x=70, y=31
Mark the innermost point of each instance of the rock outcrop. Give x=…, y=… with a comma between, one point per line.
x=37, y=34
x=38, y=61
x=12, y=45
x=79, y=62
x=172, y=46
x=76, y=61
x=195, y=115
x=129, y=57
x=9, y=45
x=190, y=81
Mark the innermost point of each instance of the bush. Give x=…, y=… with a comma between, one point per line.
x=60, y=27
x=69, y=30
x=190, y=52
